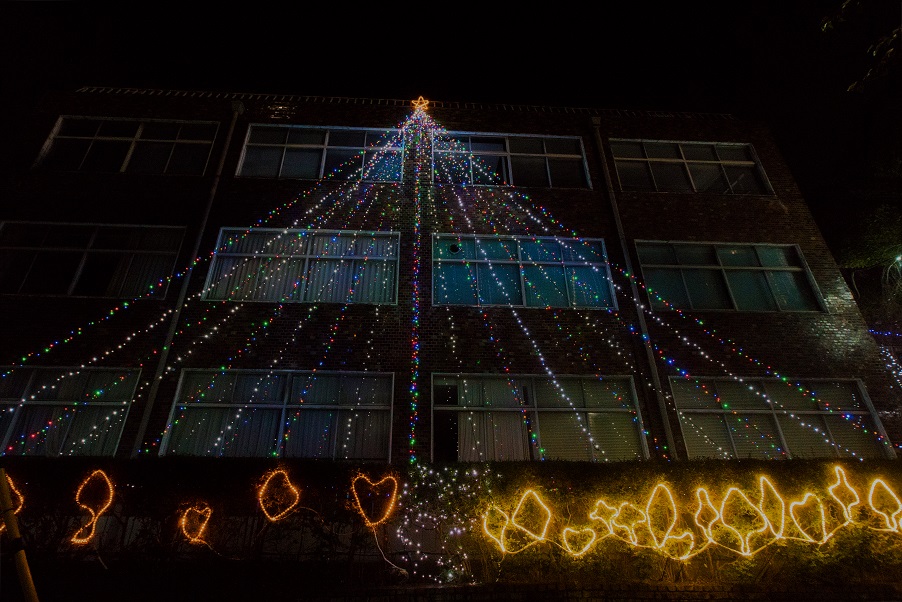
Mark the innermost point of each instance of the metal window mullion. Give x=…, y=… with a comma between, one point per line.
x=520, y=272
x=833, y=443
x=529, y=384
x=81, y=264
x=131, y=147
x=724, y=271
x=681, y=271
x=780, y=433
x=724, y=413
x=172, y=150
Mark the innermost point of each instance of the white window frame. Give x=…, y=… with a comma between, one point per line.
x=305, y=257
x=725, y=269
x=685, y=162
x=15, y=409
x=813, y=419
x=375, y=141
x=459, y=147
x=156, y=288
x=523, y=388
x=522, y=262
x=132, y=140
x=284, y=404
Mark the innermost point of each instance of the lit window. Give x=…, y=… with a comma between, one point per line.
x=64, y=411
x=87, y=260
x=741, y=277
x=521, y=271
x=304, y=266
x=663, y=166
x=282, y=151
x=292, y=414
x=479, y=159
x=773, y=419
x=480, y=418
x=132, y=146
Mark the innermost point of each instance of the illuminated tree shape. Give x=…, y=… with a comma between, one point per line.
x=706, y=515
x=277, y=495
x=844, y=494
x=605, y=513
x=578, y=541
x=772, y=507
x=387, y=488
x=801, y=513
x=531, y=512
x=661, y=514
x=884, y=501
x=629, y=519
x=86, y=533
x=742, y=520
x=18, y=500
x=194, y=522
x=494, y=522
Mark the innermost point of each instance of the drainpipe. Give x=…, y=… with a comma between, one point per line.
x=237, y=109
x=637, y=301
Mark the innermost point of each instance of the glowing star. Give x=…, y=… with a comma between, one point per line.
x=86, y=533
x=277, y=495
x=18, y=500
x=194, y=522
x=889, y=508
x=578, y=541
x=420, y=104
x=387, y=488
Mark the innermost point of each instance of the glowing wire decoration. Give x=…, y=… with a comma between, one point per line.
x=277, y=495
x=194, y=522
x=387, y=487
x=86, y=533
x=18, y=500
x=420, y=104
x=739, y=523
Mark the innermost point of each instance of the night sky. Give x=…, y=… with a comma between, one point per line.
x=768, y=60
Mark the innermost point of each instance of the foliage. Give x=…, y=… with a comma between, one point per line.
x=883, y=51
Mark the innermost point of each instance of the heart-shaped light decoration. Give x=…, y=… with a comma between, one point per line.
x=277, y=495
x=578, y=541
x=86, y=533
x=194, y=522
x=363, y=487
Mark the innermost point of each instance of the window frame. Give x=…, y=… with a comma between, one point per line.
x=284, y=406
x=384, y=135
x=773, y=413
x=132, y=140
x=508, y=178
x=529, y=381
x=309, y=259
x=18, y=405
x=520, y=262
x=89, y=251
x=723, y=270
x=684, y=162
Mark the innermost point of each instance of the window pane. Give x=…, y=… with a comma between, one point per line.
x=702, y=152
x=384, y=166
x=836, y=396
x=149, y=157
x=66, y=155
x=855, y=436
x=563, y=146
x=741, y=396
x=489, y=169
x=51, y=273
x=666, y=287
x=707, y=289
x=590, y=287
x=197, y=131
x=778, y=256
x=545, y=286
x=793, y=292
x=671, y=177
x=188, y=159
x=301, y=163
x=454, y=248
x=705, y=436
x=627, y=149
x=567, y=173
x=806, y=437
x=497, y=248
x=526, y=145
x=737, y=256
x=487, y=143
x=561, y=437
x=744, y=179
x=261, y=162
x=79, y=127
x=662, y=150
x=634, y=175
x=695, y=254
x=343, y=164
x=540, y=250
x=586, y=250
x=750, y=291
x=354, y=138
x=734, y=152
x=499, y=284
x=689, y=394
x=102, y=274
x=118, y=129
x=755, y=436
x=454, y=284
x=268, y=135
x=659, y=254
x=708, y=178
x=617, y=437
x=529, y=171
x=306, y=136
x=106, y=156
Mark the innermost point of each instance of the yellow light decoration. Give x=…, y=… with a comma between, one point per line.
x=86, y=533
x=194, y=522
x=420, y=104
x=890, y=518
x=387, y=486
x=629, y=518
x=772, y=506
x=734, y=510
x=532, y=507
x=277, y=495
x=844, y=494
x=605, y=513
x=493, y=524
x=578, y=541
x=18, y=502
x=794, y=507
x=661, y=499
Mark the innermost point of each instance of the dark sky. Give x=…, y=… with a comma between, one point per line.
x=763, y=58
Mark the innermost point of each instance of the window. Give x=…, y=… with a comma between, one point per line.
x=478, y=159
x=495, y=418
x=87, y=260
x=773, y=419
x=304, y=266
x=662, y=166
x=127, y=145
x=742, y=277
x=282, y=151
x=292, y=414
x=64, y=411
x=523, y=271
